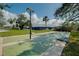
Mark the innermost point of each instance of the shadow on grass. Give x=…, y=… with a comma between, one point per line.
x=39, y=45
x=71, y=49
x=42, y=43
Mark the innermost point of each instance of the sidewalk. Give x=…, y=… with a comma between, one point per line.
x=12, y=40
x=55, y=50
x=1, y=42
x=2, y=30
x=17, y=38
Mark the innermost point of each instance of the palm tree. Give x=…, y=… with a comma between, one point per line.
x=45, y=19
x=30, y=12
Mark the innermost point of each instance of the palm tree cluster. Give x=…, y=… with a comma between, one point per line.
x=68, y=12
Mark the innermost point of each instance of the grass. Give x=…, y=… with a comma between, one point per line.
x=16, y=49
x=28, y=48
x=39, y=45
x=13, y=32
x=20, y=32
x=15, y=39
x=72, y=48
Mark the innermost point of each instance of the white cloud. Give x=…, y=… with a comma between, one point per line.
x=55, y=22
x=39, y=22
x=36, y=21
x=27, y=15
x=8, y=14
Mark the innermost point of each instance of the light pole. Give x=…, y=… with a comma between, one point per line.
x=30, y=12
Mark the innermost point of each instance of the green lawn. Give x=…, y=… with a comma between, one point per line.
x=72, y=48
x=15, y=39
x=16, y=49
x=29, y=47
x=20, y=32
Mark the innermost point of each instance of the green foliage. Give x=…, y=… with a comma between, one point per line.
x=14, y=32
x=21, y=21
x=3, y=6
x=1, y=19
x=72, y=48
x=69, y=13
x=17, y=49
x=11, y=21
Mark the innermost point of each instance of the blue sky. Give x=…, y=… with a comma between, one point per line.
x=41, y=9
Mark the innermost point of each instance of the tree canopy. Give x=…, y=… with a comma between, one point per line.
x=68, y=11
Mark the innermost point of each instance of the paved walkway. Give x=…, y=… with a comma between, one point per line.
x=12, y=43
x=2, y=30
x=55, y=50
x=21, y=38
x=1, y=41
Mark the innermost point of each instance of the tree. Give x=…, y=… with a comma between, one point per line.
x=21, y=21
x=45, y=19
x=27, y=23
x=1, y=19
x=2, y=6
x=12, y=22
x=68, y=12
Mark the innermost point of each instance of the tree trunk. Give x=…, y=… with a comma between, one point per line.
x=45, y=23
x=21, y=27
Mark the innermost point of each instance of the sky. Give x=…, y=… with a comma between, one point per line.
x=41, y=9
